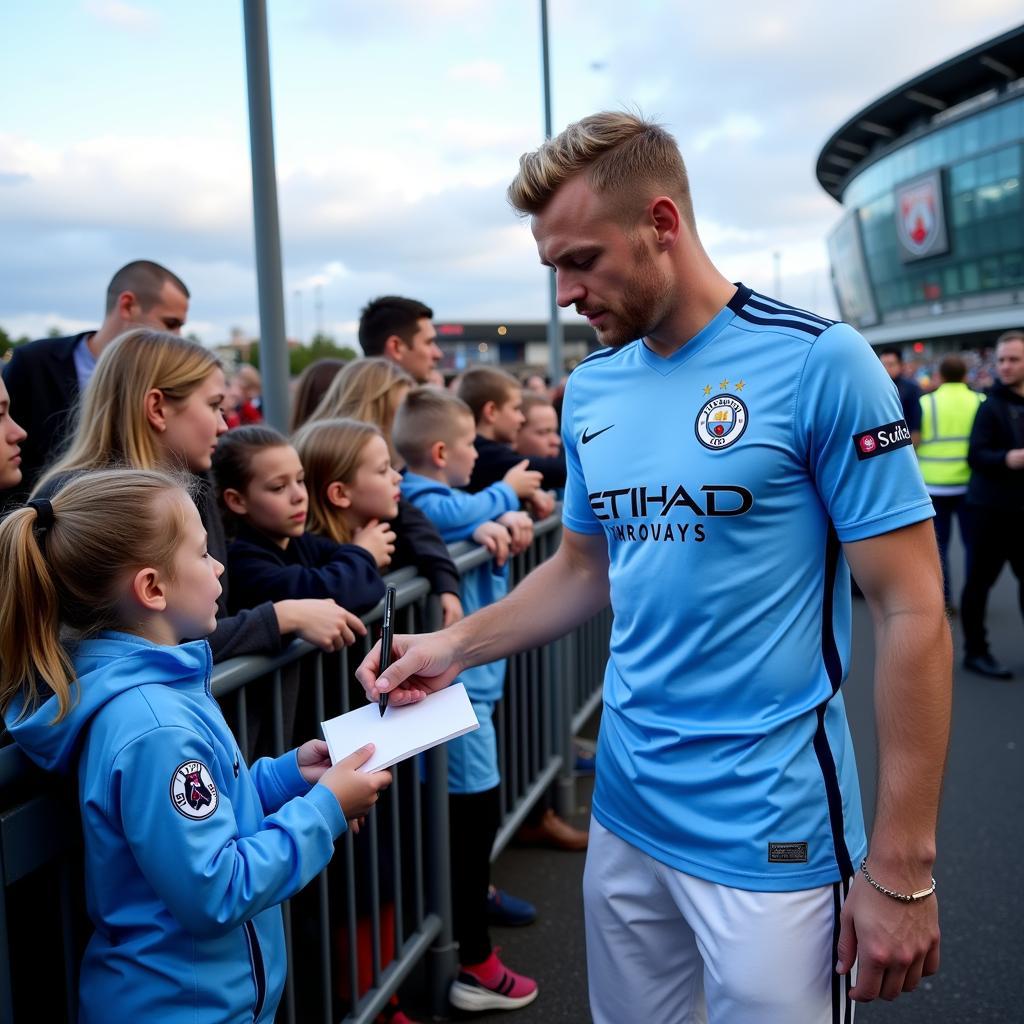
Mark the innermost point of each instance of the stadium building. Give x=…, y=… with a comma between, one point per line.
x=931, y=245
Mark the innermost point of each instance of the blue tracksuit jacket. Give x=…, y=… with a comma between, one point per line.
x=188, y=851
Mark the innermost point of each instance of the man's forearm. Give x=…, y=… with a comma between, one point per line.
x=560, y=594
x=913, y=676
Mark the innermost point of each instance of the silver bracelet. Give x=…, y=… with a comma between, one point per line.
x=903, y=897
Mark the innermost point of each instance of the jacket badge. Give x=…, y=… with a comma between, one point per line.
x=193, y=791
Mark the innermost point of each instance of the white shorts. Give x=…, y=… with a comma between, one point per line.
x=664, y=947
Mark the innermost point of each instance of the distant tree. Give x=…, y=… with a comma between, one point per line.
x=54, y=332
x=7, y=343
x=322, y=346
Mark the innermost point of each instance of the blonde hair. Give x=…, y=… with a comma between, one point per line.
x=622, y=155
x=427, y=415
x=365, y=390
x=331, y=450
x=72, y=572
x=111, y=424
x=533, y=400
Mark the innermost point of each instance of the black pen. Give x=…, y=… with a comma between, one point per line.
x=387, y=634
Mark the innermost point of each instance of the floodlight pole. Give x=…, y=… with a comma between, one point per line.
x=273, y=341
x=556, y=366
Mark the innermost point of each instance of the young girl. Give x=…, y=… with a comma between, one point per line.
x=371, y=390
x=188, y=852
x=262, y=485
x=154, y=403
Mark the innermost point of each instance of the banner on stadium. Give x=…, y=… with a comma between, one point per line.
x=921, y=217
x=850, y=279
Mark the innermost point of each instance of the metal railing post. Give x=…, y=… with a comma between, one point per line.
x=562, y=697
x=442, y=956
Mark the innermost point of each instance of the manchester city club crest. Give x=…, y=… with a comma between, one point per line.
x=193, y=791
x=721, y=422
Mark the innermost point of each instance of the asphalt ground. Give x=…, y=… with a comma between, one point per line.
x=980, y=868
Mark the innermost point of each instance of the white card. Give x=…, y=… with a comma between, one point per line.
x=403, y=731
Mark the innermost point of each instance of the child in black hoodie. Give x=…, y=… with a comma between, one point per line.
x=271, y=558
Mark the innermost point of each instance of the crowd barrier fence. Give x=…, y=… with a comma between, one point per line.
x=380, y=913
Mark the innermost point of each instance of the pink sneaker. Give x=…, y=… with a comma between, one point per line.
x=491, y=986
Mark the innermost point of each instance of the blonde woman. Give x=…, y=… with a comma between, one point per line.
x=154, y=402
x=371, y=390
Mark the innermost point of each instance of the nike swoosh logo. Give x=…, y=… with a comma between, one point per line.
x=587, y=438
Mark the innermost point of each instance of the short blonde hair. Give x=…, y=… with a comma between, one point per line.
x=622, y=155
x=71, y=573
x=111, y=425
x=483, y=384
x=330, y=450
x=427, y=415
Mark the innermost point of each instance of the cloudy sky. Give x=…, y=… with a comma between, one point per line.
x=398, y=126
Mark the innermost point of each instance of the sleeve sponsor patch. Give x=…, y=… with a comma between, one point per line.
x=879, y=440
x=193, y=791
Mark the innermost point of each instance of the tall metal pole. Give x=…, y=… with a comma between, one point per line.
x=273, y=343
x=556, y=366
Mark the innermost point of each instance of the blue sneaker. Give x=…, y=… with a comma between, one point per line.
x=510, y=911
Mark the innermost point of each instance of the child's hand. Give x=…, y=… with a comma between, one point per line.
x=379, y=539
x=525, y=482
x=319, y=621
x=355, y=791
x=451, y=609
x=496, y=539
x=314, y=759
x=520, y=527
x=542, y=504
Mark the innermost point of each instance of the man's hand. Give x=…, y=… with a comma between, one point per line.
x=893, y=943
x=1015, y=458
x=422, y=663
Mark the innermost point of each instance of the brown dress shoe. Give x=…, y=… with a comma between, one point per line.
x=553, y=831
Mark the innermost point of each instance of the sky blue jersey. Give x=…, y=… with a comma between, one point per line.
x=725, y=478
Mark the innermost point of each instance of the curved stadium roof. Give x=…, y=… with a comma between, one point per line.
x=884, y=124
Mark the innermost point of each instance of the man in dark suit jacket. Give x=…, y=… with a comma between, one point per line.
x=44, y=378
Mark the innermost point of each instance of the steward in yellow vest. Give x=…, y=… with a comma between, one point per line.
x=947, y=414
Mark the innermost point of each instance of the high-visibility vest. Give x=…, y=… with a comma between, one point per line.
x=947, y=414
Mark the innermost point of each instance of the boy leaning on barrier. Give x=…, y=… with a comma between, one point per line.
x=434, y=433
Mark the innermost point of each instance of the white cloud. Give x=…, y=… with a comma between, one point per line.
x=733, y=128
x=478, y=72
x=123, y=15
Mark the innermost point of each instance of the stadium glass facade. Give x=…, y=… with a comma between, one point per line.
x=932, y=242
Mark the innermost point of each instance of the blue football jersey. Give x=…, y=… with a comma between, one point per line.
x=725, y=478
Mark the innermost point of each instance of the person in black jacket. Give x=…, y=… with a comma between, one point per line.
x=271, y=558
x=995, y=501
x=496, y=400
x=45, y=377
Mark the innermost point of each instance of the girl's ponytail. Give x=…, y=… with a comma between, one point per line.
x=64, y=565
x=30, y=650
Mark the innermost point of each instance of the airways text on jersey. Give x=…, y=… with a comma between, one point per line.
x=654, y=504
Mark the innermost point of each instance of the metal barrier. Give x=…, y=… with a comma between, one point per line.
x=381, y=911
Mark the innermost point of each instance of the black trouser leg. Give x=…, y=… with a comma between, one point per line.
x=990, y=540
x=945, y=506
x=474, y=819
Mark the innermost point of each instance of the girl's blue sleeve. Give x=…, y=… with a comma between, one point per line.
x=212, y=877
x=278, y=780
